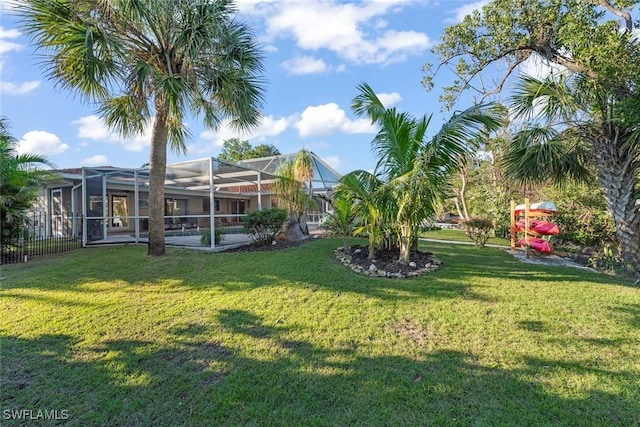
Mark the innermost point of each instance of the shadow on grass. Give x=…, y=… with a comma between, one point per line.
x=273, y=380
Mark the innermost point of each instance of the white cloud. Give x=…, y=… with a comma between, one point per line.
x=92, y=127
x=309, y=65
x=305, y=65
x=41, y=143
x=8, y=46
x=15, y=89
x=464, y=10
x=97, y=160
x=329, y=118
x=268, y=127
x=389, y=99
x=349, y=29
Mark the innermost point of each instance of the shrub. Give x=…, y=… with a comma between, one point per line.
x=478, y=230
x=262, y=226
x=205, y=239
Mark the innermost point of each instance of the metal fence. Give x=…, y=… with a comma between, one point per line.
x=39, y=235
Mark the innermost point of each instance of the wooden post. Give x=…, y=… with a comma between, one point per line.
x=526, y=227
x=513, y=226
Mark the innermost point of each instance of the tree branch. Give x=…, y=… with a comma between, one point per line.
x=619, y=12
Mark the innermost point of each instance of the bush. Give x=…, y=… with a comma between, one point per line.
x=205, y=239
x=262, y=226
x=478, y=230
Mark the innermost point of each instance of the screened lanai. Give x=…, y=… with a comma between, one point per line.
x=110, y=204
x=199, y=194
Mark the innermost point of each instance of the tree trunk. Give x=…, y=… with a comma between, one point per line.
x=616, y=172
x=404, y=243
x=157, y=173
x=293, y=229
x=463, y=193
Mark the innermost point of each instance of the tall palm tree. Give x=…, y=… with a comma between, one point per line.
x=20, y=176
x=303, y=172
x=152, y=61
x=580, y=127
x=416, y=170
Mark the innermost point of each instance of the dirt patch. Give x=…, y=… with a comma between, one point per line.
x=279, y=245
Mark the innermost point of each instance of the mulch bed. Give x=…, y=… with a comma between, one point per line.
x=385, y=262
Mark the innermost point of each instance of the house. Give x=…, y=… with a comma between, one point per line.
x=106, y=204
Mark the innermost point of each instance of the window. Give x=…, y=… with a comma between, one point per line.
x=206, y=205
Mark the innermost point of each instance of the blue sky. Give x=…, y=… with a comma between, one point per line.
x=316, y=53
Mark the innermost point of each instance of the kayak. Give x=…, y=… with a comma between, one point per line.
x=546, y=228
x=539, y=245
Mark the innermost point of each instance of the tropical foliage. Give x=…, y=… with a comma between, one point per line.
x=20, y=176
x=151, y=62
x=413, y=172
x=587, y=105
x=263, y=226
x=341, y=220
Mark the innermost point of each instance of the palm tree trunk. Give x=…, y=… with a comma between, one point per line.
x=617, y=179
x=157, y=173
x=404, y=243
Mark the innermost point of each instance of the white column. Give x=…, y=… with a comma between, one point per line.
x=212, y=205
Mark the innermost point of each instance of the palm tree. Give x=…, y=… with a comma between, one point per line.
x=342, y=219
x=151, y=62
x=581, y=127
x=416, y=170
x=303, y=172
x=20, y=176
x=367, y=193
x=289, y=191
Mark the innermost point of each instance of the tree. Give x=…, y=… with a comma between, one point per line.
x=568, y=144
x=367, y=193
x=150, y=62
x=234, y=150
x=263, y=150
x=290, y=193
x=594, y=65
x=415, y=170
x=20, y=176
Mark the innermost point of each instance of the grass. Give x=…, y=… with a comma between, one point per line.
x=454, y=235
x=293, y=338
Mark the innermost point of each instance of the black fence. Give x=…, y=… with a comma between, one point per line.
x=40, y=235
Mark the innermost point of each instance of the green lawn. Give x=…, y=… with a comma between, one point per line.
x=293, y=338
x=454, y=235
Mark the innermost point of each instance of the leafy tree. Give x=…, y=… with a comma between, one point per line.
x=263, y=150
x=150, y=62
x=416, y=170
x=234, y=150
x=591, y=99
x=20, y=176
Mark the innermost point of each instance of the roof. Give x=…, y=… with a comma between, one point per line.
x=194, y=175
x=324, y=176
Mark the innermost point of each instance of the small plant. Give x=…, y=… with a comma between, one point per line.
x=205, y=239
x=610, y=260
x=262, y=226
x=478, y=229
